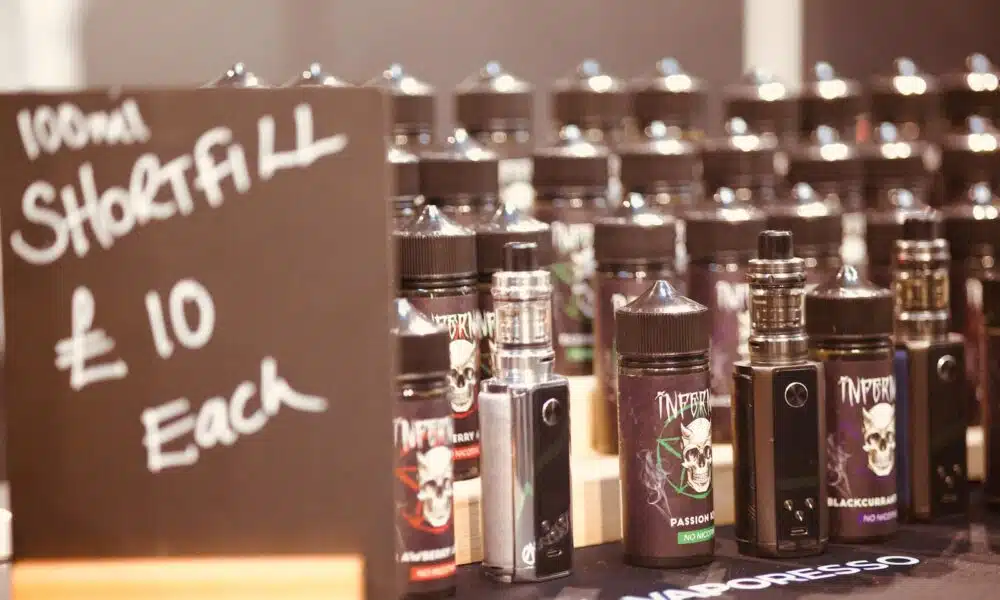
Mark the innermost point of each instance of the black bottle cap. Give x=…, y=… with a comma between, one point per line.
x=422, y=344
x=520, y=256
x=661, y=322
x=817, y=224
x=766, y=104
x=884, y=224
x=412, y=99
x=461, y=166
x=433, y=246
x=849, y=306
x=315, y=76
x=970, y=156
x=890, y=159
x=775, y=245
x=237, y=76
x=493, y=99
x=669, y=95
x=572, y=162
x=406, y=172
x=972, y=222
x=904, y=96
x=724, y=226
x=510, y=224
x=590, y=97
x=826, y=160
x=657, y=160
x=635, y=234
x=740, y=155
x=828, y=99
x=972, y=91
x=922, y=226
x=991, y=299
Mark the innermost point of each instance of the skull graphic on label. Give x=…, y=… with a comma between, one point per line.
x=462, y=376
x=879, y=428
x=434, y=477
x=696, y=452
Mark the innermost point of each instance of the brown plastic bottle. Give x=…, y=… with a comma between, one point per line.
x=633, y=248
x=828, y=100
x=411, y=107
x=405, y=192
x=765, y=104
x=991, y=377
x=907, y=98
x=462, y=179
x=671, y=97
x=897, y=183
x=971, y=92
x=570, y=180
x=743, y=162
x=721, y=239
x=665, y=430
x=817, y=225
x=237, y=76
x=496, y=108
x=315, y=76
x=436, y=263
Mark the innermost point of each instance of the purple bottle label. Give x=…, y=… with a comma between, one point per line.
x=665, y=454
x=861, y=447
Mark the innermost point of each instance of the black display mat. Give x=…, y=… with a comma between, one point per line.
x=957, y=561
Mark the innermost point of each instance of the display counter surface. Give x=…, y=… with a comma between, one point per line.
x=960, y=561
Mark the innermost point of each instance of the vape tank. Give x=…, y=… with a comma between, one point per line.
x=524, y=412
x=931, y=387
x=779, y=417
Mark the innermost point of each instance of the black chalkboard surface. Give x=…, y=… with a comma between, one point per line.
x=197, y=310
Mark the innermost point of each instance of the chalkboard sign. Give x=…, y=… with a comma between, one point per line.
x=197, y=323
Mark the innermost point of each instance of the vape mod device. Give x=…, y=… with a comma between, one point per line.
x=524, y=408
x=779, y=417
x=931, y=387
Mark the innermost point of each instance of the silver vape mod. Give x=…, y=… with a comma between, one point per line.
x=524, y=412
x=931, y=386
x=779, y=417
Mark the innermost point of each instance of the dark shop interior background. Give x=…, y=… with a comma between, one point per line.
x=73, y=43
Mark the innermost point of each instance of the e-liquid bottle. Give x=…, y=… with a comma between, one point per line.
x=765, y=104
x=779, y=415
x=743, y=162
x=496, y=108
x=436, y=260
x=665, y=171
x=424, y=471
x=509, y=224
x=991, y=378
x=665, y=430
x=897, y=183
x=828, y=100
x=315, y=76
x=971, y=92
x=405, y=196
x=571, y=186
x=632, y=249
x=818, y=226
x=850, y=322
x=931, y=388
x=597, y=104
x=970, y=164
x=907, y=98
x=835, y=170
x=672, y=97
x=462, y=179
x=237, y=76
x=721, y=234
x=411, y=107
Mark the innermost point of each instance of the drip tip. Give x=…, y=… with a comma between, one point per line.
x=774, y=245
x=923, y=226
x=520, y=256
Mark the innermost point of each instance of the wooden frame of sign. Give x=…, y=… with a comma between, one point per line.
x=198, y=361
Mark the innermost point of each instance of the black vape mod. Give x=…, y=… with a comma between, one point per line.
x=524, y=412
x=931, y=386
x=779, y=417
